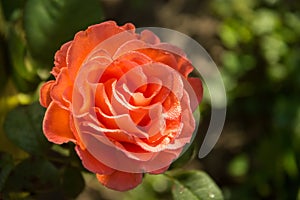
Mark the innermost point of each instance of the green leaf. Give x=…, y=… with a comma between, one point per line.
x=194, y=185
x=6, y=165
x=23, y=126
x=24, y=74
x=73, y=182
x=153, y=187
x=50, y=23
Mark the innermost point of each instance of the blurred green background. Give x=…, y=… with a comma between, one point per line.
x=255, y=43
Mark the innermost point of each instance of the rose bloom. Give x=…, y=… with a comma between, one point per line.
x=124, y=99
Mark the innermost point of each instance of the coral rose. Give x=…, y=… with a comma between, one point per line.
x=125, y=100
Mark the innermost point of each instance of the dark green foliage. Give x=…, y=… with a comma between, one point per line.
x=58, y=20
x=23, y=127
x=35, y=175
x=6, y=165
x=72, y=182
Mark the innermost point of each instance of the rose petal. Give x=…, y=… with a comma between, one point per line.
x=117, y=40
x=187, y=119
x=121, y=181
x=45, y=98
x=123, y=65
x=60, y=59
x=117, y=69
x=61, y=91
x=102, y=148
x=56, y=125
x=158, y=55
x=125, y=123
x=129, y=47
x=163, y=141
x=85, y=90
x=91, y=163
x=184, y=66
x=166, y=47
x=170, y=56
x=160, y=171
x=149, y=37
x=79, y=141
x=125, y=159
x=101, y=100
x=198, y=89
x=155, y=121
x=108, y=121
x=85, y=41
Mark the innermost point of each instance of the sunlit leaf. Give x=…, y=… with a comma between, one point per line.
x=153, y=187
x=194, y=185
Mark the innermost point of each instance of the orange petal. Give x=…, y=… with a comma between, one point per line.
x=140, y=116
x=45, y=98
x=60, y=59
x=198, y=89
x=61, y=91
x=161, y=56
x=149, y=37
x=79, y=142
x=121, y=181
x=91, y=163
x=176, y=61
x=184, y=66
x=56, y=125
x=160, y=171
x=85, y=41
x=102, y=100
x=123, y=64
